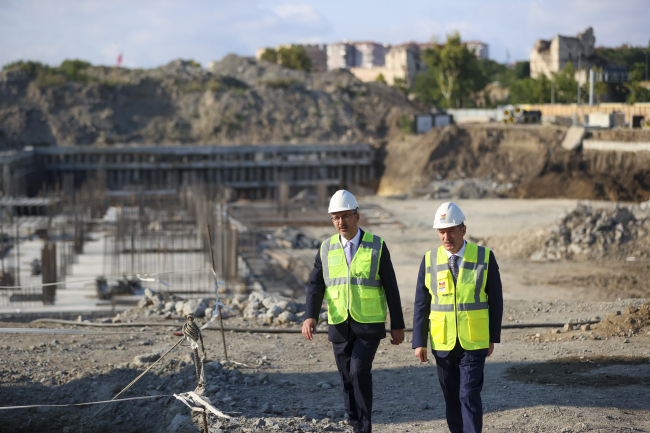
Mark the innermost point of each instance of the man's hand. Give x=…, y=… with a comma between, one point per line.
x=309, y=328
x=491, y=349
x=421, y=354
x=397, y=336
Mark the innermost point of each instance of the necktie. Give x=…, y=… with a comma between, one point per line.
x=453, y=264
x=348, y=252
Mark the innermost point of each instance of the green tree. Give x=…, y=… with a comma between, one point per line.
x=29, y=67
x=426, y=89
x=295, y=57
x=566, y=86
x=401, y=84
x=522, y=70
x=455, y=70
x=74, y=69
x=625, y=55
x=530, y=90
x=381, y=78
x=270, y=55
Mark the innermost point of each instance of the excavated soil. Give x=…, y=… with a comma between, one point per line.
x=634, y=320
x=530, y=158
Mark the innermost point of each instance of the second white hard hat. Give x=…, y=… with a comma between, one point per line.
x=342, y=200
x=448, y=215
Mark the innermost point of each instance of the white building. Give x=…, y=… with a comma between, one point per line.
x=480, y=49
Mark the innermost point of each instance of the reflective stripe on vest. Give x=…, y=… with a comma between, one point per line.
x=459, y=311
x=357, y=288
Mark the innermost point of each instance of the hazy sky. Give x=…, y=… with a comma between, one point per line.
x=153, y=32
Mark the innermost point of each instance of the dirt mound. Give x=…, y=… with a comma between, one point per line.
x=590, y=232
x=235, y=101
x=633, y=321
x=530, y=158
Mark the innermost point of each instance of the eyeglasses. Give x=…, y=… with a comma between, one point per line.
x=345, y=217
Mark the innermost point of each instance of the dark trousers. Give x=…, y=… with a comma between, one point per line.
x=460, y=374
x=354, y=360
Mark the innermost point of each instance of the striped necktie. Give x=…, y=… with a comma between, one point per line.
x=453, y=264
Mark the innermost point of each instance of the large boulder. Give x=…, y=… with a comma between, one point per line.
x=286, y=317
x=274, y=311
x=287, y=306
x=194, y=307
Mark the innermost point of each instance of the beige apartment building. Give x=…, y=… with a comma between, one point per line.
x=401, y=62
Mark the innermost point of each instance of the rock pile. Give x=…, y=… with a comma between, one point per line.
x=590, y=232
x=166, y=306
x=270, y=309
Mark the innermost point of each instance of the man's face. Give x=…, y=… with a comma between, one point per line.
x=452, y=238
x=346, y=223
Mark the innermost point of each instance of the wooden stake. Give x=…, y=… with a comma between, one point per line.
x=223, y=335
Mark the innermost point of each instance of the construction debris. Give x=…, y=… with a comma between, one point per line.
x=267, y=308
x=591, y=232
x=293, y=237
x=272, y=308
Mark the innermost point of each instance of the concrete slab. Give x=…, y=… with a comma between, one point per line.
x=573, y=138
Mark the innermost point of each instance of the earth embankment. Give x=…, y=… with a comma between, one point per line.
x=530, y=161
x=235, y=101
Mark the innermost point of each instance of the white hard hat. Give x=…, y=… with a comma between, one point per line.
x=448, y=215
x=342, y=200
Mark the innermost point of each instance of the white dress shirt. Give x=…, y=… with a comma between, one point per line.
x=460, y=253
x=355, y=243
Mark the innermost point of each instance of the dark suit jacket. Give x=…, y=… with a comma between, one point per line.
x=423, y=308
x=339, y=333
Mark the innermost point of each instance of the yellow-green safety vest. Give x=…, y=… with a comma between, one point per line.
x=354, y=289
x=459, y=310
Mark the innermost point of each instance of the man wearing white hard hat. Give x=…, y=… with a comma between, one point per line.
x=353, y=272
x=459, y=304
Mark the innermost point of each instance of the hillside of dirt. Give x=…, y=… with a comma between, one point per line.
x=522, y=162
x=237, y=100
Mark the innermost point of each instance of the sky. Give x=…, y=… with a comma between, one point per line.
x=151, y=33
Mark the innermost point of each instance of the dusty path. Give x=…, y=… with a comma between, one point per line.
x=536, y=381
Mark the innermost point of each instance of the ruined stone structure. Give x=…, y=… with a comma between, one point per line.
x=551, y=56
x=253, y=172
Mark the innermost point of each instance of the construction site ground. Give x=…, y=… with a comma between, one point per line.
x=539, y=379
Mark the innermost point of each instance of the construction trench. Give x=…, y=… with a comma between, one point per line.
x=575, y=288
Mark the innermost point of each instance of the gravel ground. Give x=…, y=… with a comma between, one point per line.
x=538, y=380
